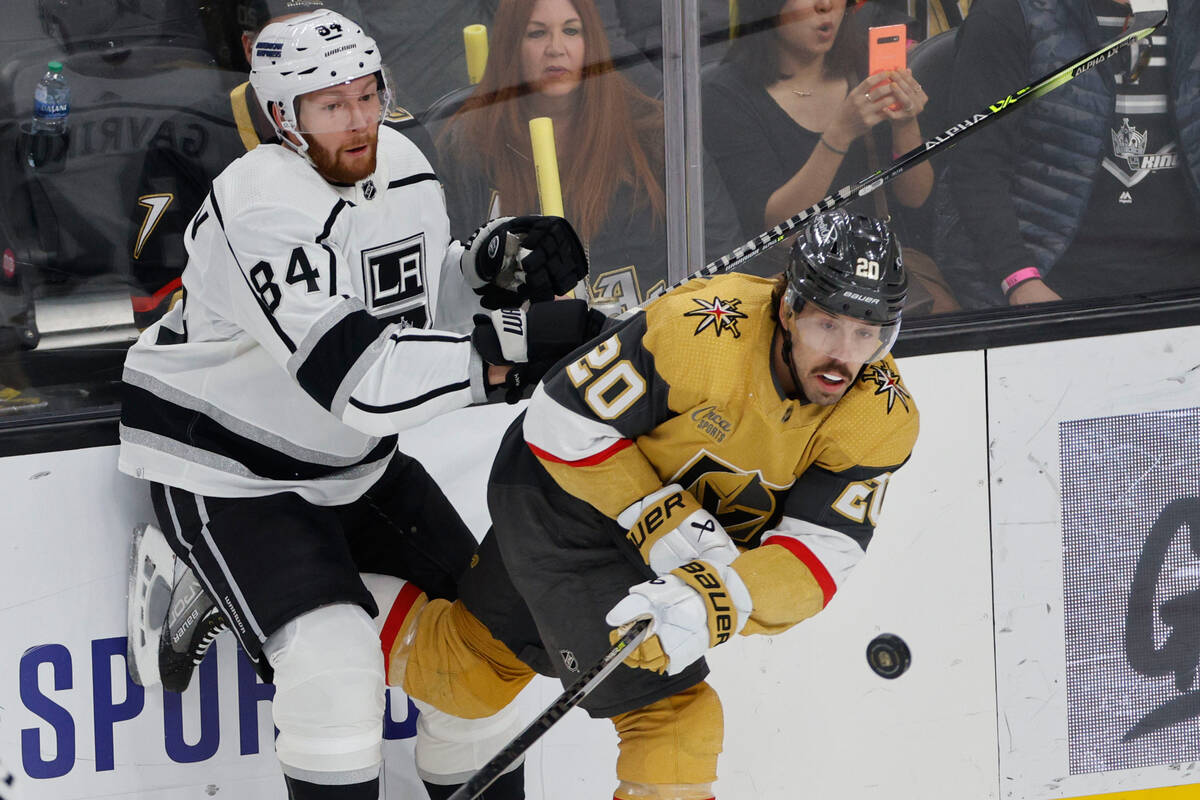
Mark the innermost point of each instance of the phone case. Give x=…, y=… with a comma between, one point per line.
x=887, y=48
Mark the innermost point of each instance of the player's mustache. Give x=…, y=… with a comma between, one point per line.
x=365, y=141
x=834, y=368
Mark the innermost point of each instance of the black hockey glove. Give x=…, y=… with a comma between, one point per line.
x=513, y=259
x=519, y=382
x=532, y=341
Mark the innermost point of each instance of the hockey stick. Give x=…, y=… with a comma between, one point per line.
x=1142, y=25
x=493, y=769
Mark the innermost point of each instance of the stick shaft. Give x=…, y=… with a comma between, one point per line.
x=1142, y=25
x=575, y=694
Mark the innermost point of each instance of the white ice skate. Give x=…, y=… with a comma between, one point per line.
x=171, y=619
x=151, y=577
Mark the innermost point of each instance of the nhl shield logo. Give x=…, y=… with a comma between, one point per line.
x=368, y=189
x=569, y=660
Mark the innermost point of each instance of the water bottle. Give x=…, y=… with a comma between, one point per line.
x=48, y=131
x=51, y=101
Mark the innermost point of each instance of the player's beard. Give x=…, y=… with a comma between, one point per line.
x=335, y=168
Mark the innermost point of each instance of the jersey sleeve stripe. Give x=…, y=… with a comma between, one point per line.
x=810, y=560
x=159, y=424
x=587, y=461
x=404, y=405
x=836, y=552
x=428, y=336
x=568, y=436
x=368, y=361
x=328, y=356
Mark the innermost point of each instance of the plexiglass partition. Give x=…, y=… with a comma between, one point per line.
x=678, y=129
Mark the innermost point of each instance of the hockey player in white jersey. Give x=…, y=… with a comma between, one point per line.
x=325, y=307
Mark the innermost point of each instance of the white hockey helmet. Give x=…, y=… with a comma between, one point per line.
x=303, y=54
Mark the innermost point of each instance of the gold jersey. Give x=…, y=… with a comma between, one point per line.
x=685, y=393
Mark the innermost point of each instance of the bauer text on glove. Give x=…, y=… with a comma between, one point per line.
x=670, y=528
x=695, y=607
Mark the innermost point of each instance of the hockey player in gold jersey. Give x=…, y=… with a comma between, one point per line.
x=717, y=463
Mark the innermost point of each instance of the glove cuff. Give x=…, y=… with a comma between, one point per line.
x=477, y=370
x=627, y=518
x=725, y=596
x=512, y=330
x=669, y=528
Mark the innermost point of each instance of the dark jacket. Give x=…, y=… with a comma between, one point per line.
x=1049, y=173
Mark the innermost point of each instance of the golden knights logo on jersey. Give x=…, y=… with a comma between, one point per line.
x=394, y=280
x=717, y=316
x=743, y=504
x=886, y=382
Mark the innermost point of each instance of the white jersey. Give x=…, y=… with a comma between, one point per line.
x=304, y=340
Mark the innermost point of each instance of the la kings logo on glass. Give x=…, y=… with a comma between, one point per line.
x=394, y=280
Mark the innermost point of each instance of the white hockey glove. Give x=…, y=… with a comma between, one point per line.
x=513, y=259
x=670, y=528
x=698, y=606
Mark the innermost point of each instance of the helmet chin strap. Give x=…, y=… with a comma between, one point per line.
x=786, y=330
x=283, y=131
x=299, y=149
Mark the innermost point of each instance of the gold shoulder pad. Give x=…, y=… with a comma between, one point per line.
x=704, y=333
x=399, y=114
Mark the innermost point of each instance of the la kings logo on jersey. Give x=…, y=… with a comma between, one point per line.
x=394, y=280
x=1130, y=145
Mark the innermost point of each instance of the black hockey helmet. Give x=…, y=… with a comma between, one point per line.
x=849, y=265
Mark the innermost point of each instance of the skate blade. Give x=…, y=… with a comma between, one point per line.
x=151, y=575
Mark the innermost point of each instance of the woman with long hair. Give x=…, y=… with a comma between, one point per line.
x=550, y=58
x=789, y=116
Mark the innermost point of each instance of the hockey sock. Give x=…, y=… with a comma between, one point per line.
x=509, y=786
x=303, y=790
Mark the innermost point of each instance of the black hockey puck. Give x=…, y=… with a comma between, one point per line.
x=888, y=656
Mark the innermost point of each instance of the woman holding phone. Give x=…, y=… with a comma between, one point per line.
x=788, y=113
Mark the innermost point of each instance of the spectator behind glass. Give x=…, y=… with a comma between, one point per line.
x=1092, y=191
x=785, y=113
x=428, y=59
x=551, y=58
